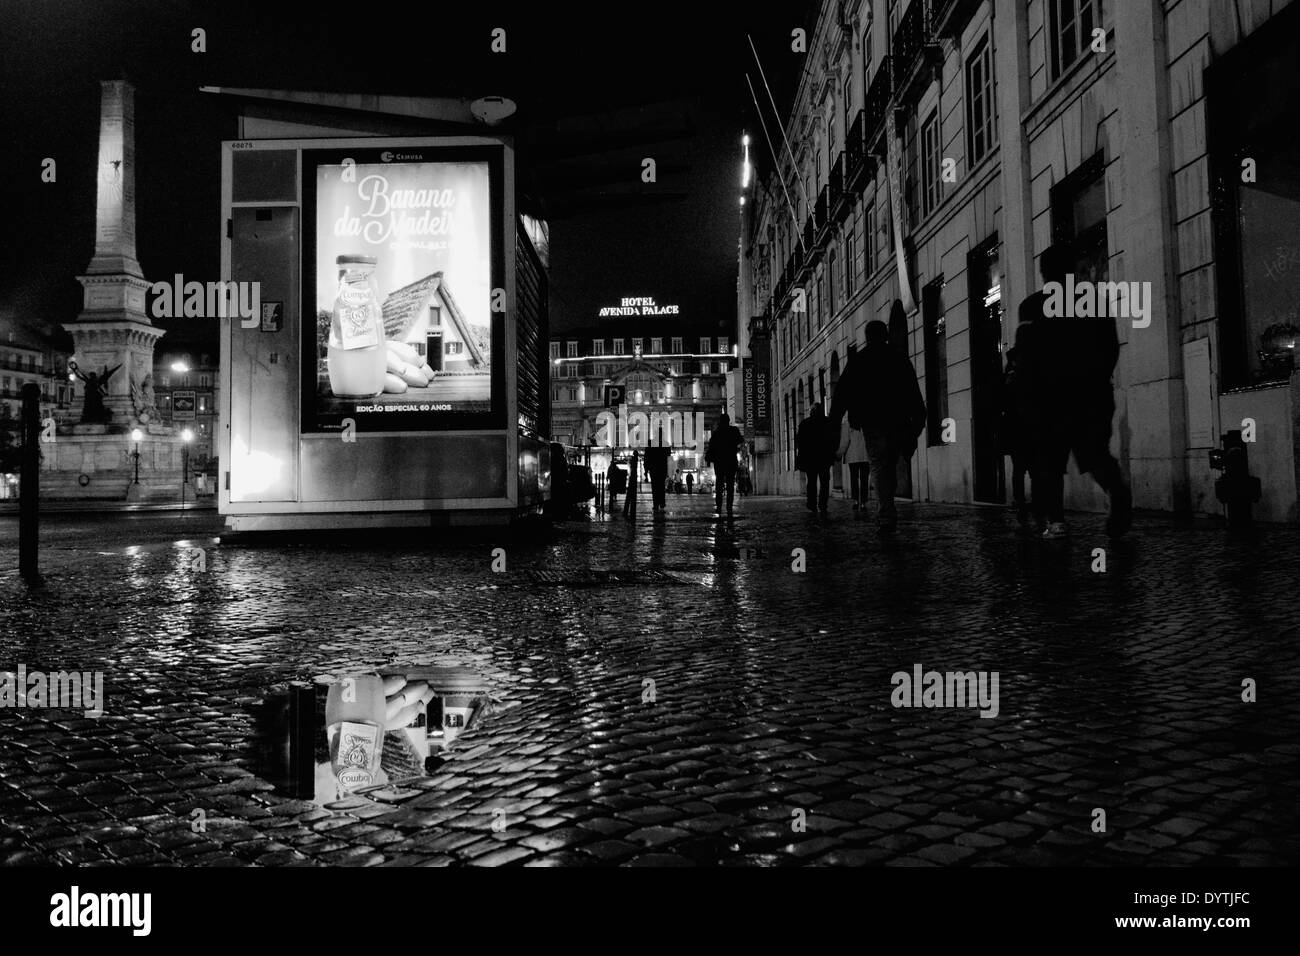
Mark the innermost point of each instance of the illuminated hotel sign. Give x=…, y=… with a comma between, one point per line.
x=638, y=306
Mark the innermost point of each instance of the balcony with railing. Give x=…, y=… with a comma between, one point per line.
x=915, y=49
x=875, y=108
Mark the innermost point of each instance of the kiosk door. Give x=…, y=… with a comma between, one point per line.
x=264, y=359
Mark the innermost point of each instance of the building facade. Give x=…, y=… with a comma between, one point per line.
x=937, y=147
x=186, y=381
x=673, y=368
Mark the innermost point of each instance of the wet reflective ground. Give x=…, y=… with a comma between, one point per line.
x=673, y=693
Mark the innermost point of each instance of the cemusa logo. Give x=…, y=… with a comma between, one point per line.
x=388, y=156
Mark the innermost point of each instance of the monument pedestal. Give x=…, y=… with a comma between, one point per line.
x=100, y=466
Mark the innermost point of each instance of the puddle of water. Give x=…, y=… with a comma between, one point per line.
x=427, y=709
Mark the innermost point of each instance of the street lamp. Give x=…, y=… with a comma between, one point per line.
x=136, y=436
x=187, y=436
x=180, y=367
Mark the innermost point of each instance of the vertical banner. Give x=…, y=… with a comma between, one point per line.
x=894, y=161
x=761, y=368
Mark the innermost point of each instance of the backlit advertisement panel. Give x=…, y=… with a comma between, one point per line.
x=403, y=256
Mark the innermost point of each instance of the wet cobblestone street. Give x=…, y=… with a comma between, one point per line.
x=772, y=688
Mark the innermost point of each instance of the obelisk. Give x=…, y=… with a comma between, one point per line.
x=113, y=328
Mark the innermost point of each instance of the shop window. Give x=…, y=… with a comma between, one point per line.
x=1252, y=94
x=981, y=106
x=1071, y=23
x=930, y=149
x=936, y=361
x=1079, y=219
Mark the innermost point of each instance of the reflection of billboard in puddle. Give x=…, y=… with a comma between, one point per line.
x=376, y=735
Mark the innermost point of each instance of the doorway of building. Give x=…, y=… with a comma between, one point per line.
x=984, y=298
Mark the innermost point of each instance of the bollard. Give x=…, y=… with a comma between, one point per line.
x=29, y=489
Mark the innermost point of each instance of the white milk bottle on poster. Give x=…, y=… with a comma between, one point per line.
x=356, y=353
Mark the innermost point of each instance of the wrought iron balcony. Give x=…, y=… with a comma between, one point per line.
x=875, y=108
x=915, y=48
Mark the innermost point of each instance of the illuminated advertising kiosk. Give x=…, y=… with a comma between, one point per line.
x=394, y=372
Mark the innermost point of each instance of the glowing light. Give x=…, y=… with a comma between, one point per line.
x=187, y=435
x=136, y=434
x=180, y=367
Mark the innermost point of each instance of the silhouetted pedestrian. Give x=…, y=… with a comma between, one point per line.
x=690, y=483
x=1013, y=436
x=629, y=502
x=724, y=444
x=815, y=445
x=879, y=393
x=656, y=466
x=1064, y=365
x=853, y=452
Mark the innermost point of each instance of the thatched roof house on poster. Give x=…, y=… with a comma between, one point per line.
x=425, y=314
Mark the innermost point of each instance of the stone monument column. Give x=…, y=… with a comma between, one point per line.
x=113, y=330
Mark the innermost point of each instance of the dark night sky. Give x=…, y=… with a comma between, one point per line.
x=54, y=52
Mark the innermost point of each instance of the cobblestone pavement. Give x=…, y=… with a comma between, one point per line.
x=1119, y=690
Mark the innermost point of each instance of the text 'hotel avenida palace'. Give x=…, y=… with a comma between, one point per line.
x=937, y=147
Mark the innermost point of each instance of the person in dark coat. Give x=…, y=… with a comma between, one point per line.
x=724, y=443
x=656, y=466
x=879, y=393
x=1065, y=366
x=815, y=445
x=1013, y=437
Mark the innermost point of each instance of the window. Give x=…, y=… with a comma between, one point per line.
x=677, y=367
x=895, y=14
x=203, y=403
x=724, y=344
x=166, y=381
x=450, y=348
x=936, y=361
x=869, y=239
x=821, y=300
x=555, y=350
x=573, y=349
x=573, y=394
x=704, y=344
x=571, y=370
x=597, y=346
x=205, y=381
x=866, y=63
x=704, y=368
x=1071, y=23
x=677, y=346
x=830, y=283
x=981, y=106
x=618, y=347
x=657, y=346
x=1079, y=219
x=930, y=184
x=850, y=260
x=848, y=103
x=638, y=345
